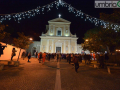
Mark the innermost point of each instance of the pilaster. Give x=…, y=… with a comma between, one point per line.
x=41, y=46
x=47, y=45
x=64, y=47
x=69, y=46
x=53, y=29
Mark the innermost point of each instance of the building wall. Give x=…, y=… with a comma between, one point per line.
x=35, y=44
x=67, y=46
x=53, y=29
x=8, y=52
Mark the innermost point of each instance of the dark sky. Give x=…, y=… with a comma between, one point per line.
x=34, y=26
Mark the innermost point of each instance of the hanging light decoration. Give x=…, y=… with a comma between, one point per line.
x=31, y=13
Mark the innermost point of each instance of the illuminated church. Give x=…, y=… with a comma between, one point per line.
x=57, y=39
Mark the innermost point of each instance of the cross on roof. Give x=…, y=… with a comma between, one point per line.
x=59, y=15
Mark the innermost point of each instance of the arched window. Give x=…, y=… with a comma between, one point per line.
x=59, y=32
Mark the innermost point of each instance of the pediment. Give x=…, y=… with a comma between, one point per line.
x=59, y=20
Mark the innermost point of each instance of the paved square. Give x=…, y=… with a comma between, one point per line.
x=35, y=76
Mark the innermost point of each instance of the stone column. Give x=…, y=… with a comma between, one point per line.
x=54, y=30
x=69, y=30
x=64, y=47
x=41, y=46
x=64, y=30
x=52, y=46
x=47, y=45
x=75, y=46
x=69, y=46
x=49, y=29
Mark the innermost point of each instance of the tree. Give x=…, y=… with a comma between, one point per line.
x=113, y=18
x=91, y=31
x=3, y=34
x=22, y=41
x=100, y=41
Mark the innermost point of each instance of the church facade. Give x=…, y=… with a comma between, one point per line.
x=57, y=39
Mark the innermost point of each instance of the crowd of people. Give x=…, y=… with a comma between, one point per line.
x=70, y=58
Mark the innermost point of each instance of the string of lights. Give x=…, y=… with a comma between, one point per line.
x=41, y=10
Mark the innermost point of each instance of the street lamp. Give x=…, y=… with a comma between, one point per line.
x=30, y=39
x=86, y=40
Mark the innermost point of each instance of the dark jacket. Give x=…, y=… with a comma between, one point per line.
x=75, y=59
x=106, y=57
x=29, y=56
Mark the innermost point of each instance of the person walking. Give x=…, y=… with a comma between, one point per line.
x=29, y=56
x=13, y=53
x=75, y=60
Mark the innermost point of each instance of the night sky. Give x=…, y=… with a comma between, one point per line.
x=34, y=26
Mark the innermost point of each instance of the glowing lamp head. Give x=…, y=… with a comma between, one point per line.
x=86, y=40
x=116, y=50
x=31, y=39
x=66, y=35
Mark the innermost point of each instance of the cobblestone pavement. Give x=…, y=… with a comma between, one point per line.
x=35, y=76
x=88, y=78
x=29, y=76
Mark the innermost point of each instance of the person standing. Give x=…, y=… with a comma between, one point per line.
x=36, y=54
x=80, y=58
x=71, y=55
x=13, y=53
x=40, y=56
x=85, y=58
x=26, y=54
x=57, y=56
x=43, y=56
x=101, y=60
x=29, y=56
x=23, y=55
x=60, y=57
x=106, y=57
x=1, y=49
x=49, y=56
x=94, y=56
x=69, y=58
x=75, y=60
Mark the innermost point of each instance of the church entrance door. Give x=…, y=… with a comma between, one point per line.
x=58, y=49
